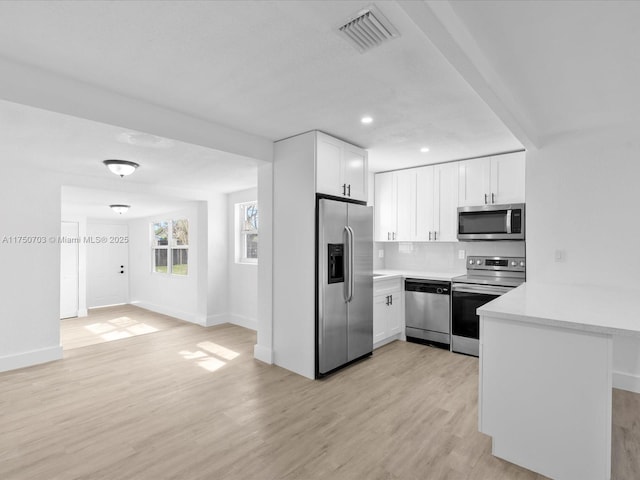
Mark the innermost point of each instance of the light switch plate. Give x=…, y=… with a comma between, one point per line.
x=380, y=253
x=461, y=254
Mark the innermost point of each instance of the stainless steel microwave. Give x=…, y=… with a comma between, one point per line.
x=491, y=222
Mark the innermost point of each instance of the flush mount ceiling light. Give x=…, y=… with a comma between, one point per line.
x=121, y=167
x=366, y=120
x=424, y=149
x=120, y=209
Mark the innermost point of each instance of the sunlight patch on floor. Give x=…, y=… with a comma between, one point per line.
x=121, y=327
x=210, y=356
x=218, y=350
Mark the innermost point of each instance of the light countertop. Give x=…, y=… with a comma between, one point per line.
x=425, y=275
x=593, y=309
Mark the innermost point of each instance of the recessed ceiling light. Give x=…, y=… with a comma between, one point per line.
x=366, y=120
x=424, y=149
x=121, y=167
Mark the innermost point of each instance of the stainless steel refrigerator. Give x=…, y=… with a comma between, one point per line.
x=344, y=284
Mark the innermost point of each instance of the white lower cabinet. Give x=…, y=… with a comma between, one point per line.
x=388, y=319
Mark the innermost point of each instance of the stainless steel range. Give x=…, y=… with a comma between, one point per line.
x=487, y=278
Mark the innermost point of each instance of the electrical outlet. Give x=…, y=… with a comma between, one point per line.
x=461, y=254
x=380, y=253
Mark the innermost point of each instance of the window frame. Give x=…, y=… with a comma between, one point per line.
x=169, y=247
x=241, y=233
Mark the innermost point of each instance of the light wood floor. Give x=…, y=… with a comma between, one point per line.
x=108, y=324
x=192, y=403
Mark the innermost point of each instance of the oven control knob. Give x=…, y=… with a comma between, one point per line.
x=478, y=262
x=513, y=263
x=522, y=264
x=470, y=262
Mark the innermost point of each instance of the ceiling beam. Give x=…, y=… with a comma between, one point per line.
x=442, y=26
x=28, y=85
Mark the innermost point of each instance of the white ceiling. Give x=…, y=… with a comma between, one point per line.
x=55, y=142
x=271, y=68
x=569, y=66
x=94, y=203
x=52, y=142
x=275, y=69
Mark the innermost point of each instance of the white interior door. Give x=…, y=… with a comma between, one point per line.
x=107, y=265
x=69, y=276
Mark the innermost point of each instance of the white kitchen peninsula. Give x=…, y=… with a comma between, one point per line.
x=546, y=376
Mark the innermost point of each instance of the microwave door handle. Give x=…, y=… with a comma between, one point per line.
x=508, y=221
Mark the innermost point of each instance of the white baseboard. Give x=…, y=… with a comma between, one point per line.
x=242, y=321
x=83, y=313
x=390, y=339
x=626, y=381
x=216, y=319
x=186, y=316
x=263, y=354
x=32, y=357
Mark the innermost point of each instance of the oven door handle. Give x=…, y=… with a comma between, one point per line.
x=486, y=289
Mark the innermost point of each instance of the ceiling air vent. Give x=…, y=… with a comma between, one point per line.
x=368, y=29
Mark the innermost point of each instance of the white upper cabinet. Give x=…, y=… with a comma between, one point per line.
x=355, y=170
x=395, y=206
x=386, y=222
x=507, y=177
x=437, y=203
x=421, y=204
x=445, y=181
x=405, y=205
x=498, y=179
x=425, y=204
x=341, y=168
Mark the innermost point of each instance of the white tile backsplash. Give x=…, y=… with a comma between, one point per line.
x=439, y=256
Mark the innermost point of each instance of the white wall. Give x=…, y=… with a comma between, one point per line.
x=243, y=277
x=30, y=306
x=582, y=199
x=217, y=268
x=174, y=295
x=263, y=350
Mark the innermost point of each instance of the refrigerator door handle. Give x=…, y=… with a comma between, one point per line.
x=347, y=265
x=349, y=262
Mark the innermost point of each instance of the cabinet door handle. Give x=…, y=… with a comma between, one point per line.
x=388, y=235
x=429, y=236
x=344, y=189
x=435, y=235
x=493, y=198
x=390, y=299
x=394, y=236
x=485, y=199
x=349, y=190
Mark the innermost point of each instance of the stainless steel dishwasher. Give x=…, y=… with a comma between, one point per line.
x=427, y=311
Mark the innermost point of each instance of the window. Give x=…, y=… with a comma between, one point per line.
x=170, y=246
x=247, y=232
